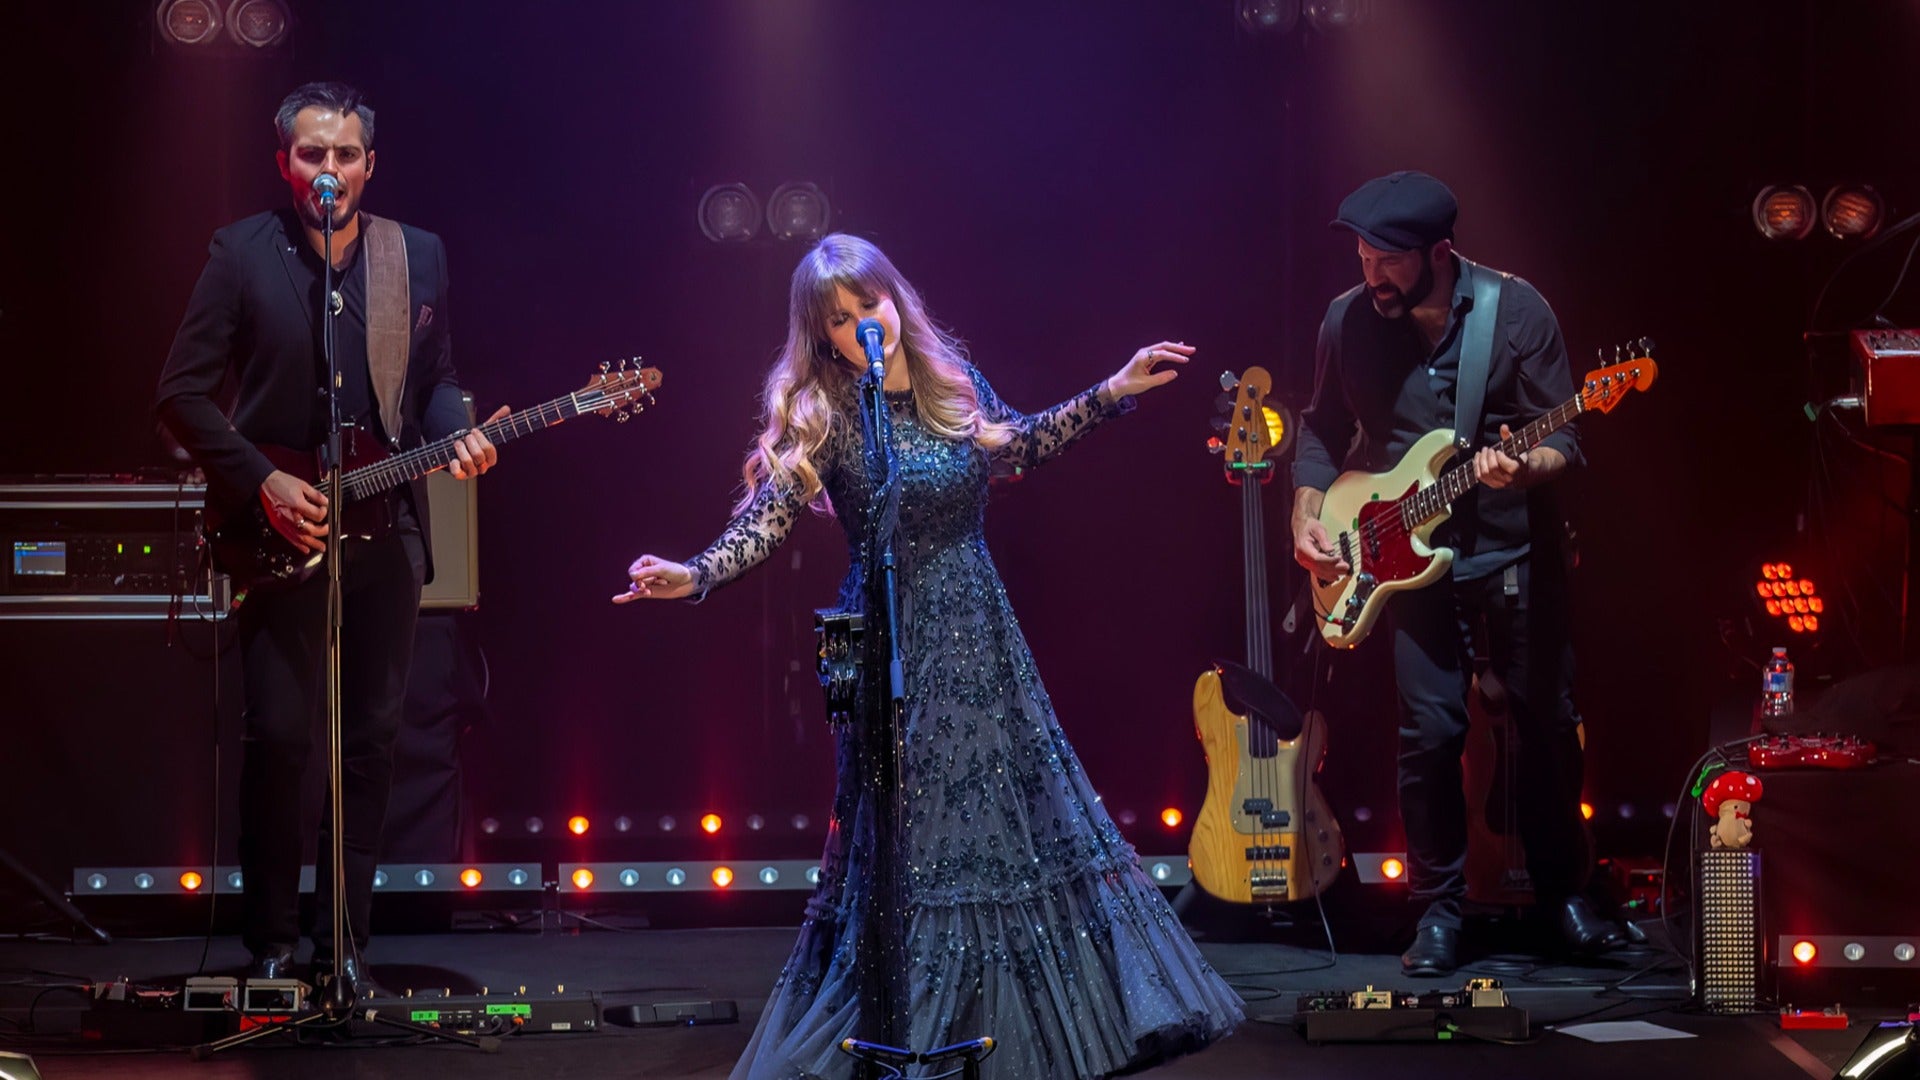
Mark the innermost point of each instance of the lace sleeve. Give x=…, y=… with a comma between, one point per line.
x=749, y=538
x=1038, y=437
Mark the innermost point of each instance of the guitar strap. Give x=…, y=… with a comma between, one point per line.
x=388, y=330
x=1476, y=352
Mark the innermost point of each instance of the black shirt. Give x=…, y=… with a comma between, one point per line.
x=349, y=340
x=1376, y=377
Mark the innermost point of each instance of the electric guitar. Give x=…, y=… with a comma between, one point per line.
x=1264, y=832
x=1381, y=524
x=261, y=550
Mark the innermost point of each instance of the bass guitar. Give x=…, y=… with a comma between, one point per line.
x=1381, y=524
x=260, y=550
x=1265, y=832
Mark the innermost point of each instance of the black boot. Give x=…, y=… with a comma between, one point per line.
x=1583, y=929
x=1435, y=951
x=272, y=962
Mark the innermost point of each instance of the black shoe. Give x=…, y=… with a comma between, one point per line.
x=1584, y=931
x=1435, y=951
x=273, y=962
x=359, y=980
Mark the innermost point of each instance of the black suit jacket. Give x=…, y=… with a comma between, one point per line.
x=248, y=317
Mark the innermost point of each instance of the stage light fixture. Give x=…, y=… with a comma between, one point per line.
x=1805, y=952
x=1393, y=869
x=536, y=826
x=623, y=823
x=799, y=211
x=1333, y=16
x=710, y=824
x=722, y=876
x=577, y=825
x=258, y=24
x=471, y=878
x=188, y=22
x=1172, y=817
x=729, y=214
x=582, y=878
x=755, y=822
x=1784, y=212
x=629, y=877
x=1853, y=211
x=191, y=881
x=1586, y=810
x=769, y=875
x=667, y=823
x=1267, y=16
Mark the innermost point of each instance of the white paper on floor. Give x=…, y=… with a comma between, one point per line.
x=1621, y=1031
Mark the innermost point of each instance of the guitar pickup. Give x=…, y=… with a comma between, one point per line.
x=1269, y=852
x=1263, y=809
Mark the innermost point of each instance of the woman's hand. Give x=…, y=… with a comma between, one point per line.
x=654, y=578
x=1137, y=376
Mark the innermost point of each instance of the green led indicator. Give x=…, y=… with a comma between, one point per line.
x=426, y=1016
x=146, y=549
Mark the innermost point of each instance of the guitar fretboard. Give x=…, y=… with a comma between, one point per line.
x=413, y=464
x=1433, y=500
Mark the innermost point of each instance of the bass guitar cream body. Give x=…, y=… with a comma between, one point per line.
x=1357, y=511
x=1264, y=833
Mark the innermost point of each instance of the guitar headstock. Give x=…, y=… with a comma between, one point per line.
x=1630, y=368
x=1248, y=429
x=619, y=390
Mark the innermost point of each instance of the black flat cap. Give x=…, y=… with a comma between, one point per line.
x=1399, y=212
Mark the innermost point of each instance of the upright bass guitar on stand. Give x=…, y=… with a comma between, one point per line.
x=1264, y=833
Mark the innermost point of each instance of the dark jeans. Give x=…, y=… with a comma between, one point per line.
x=1530, y=650
x=283, y=644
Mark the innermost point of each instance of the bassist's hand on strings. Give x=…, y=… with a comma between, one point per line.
x=1313, y=549
x=298, y=507
x=1497, y=470
x=474, y=453
x=654, y=578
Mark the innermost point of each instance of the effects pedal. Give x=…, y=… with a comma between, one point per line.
x=1477, y=1010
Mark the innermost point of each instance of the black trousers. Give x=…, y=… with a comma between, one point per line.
x=283, y=643
x=1529, y=648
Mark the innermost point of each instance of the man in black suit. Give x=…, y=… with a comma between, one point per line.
x=255, y=315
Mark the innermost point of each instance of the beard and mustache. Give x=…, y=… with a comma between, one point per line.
x=1392, y=303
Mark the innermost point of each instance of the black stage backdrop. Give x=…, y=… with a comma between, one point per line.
x=1066, y=182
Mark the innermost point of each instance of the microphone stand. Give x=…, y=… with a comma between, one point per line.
x=880, y=731
x=880, y=735
x=337, y=1001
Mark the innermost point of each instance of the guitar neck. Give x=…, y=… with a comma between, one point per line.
x=400, y=468
x=1254, y=558
x=1432, y=501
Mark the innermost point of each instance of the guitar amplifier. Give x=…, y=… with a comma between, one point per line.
x=105, y=547
x=1889, y=375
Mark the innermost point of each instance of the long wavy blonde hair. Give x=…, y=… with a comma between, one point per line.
x=810, y=388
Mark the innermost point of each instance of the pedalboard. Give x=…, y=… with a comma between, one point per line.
x=494, y=1014
x=1477, y=1010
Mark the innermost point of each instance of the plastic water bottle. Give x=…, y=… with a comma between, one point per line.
x=1776, y=684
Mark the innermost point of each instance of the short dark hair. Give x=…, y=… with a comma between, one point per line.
x=332, y=96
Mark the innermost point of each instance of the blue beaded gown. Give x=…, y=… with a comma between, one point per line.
x=1028, y=917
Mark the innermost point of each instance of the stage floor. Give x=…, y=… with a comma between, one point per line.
x=40, y=1013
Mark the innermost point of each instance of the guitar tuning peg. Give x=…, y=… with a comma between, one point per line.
x=1619, y=354
x=621, y=416
x=1600, y=356
x=1223, y=403
x=1220, y=424
x=1646, y=346
x=1215, y=446
x=1227, y=381
x=605, y=367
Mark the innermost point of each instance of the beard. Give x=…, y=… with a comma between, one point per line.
x=1392, y=303
x=311, y=217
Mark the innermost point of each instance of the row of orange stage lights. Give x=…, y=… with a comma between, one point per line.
x=1791, y=599
x=711, y=824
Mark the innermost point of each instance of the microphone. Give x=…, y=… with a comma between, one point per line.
x=326, y=185
x=872, y=337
